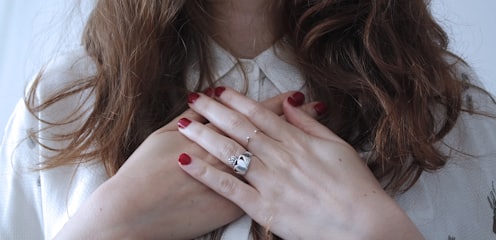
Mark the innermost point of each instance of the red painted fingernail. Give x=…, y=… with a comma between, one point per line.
x=297, y=99
x=184, y=159
x=219, y=90
x=192, y=97
x=320, y=108
x=209, y=92
x=183, y=122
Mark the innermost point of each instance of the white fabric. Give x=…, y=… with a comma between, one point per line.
x=36, y=204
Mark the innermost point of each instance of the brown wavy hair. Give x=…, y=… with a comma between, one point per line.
x=380, y=66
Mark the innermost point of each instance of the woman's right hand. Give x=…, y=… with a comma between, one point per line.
x=150, y=198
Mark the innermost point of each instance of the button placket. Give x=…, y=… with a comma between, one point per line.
x=252, y=74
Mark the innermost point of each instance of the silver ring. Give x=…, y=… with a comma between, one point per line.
x=249, y=136
x=241, y=163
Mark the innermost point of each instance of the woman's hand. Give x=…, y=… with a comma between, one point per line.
x=304, y=182
x=150, y=198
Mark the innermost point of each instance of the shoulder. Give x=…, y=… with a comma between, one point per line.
x=24, y=125
x=61, y=98
x=453, y=201
x=477, y=101
x=75, y=63
x=27, y=143
x=474, y=132
x=464, y=72
x=63, y=85
x=64, y=70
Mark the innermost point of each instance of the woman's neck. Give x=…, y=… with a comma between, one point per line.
x=245, y=27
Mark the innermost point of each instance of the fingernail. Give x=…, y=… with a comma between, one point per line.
x=320, y=108
x=209, y=92
x=219, y=90
x=184, y=159
x=183, y=122
x=192, y=97
x=296, y=99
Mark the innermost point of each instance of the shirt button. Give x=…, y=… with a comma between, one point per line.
x=38, y=181
x=31, y=141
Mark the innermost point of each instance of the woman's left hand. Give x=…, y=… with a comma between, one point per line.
x=303, y=182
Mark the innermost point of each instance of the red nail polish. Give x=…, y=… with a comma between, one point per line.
x=297, y=99
x=320, y=108
x=219, y=90
x=183, y=122
x=209, y=92
x=192, y=97
x=184, y=159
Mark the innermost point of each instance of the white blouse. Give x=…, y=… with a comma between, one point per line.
x=456, y=202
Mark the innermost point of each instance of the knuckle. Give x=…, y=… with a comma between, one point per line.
x=227, y=186
x=200, y=132
x=254, y=110
x=228, y=148
x=234, y=121
x=201, y=172
x=205, y=104
x=309, y=110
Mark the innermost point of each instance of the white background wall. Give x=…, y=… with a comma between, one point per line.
x=31, y=31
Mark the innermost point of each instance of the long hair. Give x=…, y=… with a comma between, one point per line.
x=380, y=66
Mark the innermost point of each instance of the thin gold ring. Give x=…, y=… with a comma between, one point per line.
x=249, y=136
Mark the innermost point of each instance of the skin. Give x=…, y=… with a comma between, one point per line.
x=123, y=207
x=245, y=27
x=150, y=197
x=300, y=172
x=147, y=197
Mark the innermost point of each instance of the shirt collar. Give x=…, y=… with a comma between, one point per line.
x=278, y=63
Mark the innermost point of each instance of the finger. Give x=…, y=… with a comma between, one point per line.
x=274, y=104
x=300, y=119
x=228, y=186
x=313, y=109
x=218, y=145
x=259, y=116
x=189, y=113
x=229, y=121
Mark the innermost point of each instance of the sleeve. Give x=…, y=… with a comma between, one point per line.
x=458, y=201
x=35, y=204
x=20, y=195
